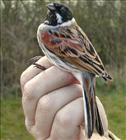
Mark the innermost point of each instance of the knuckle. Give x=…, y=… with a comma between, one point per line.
x=22, y=79
x=28, y=125
x=65, y=76
x=36, y=133
x=63, y=119
x=28, y=92
x=45, y=103
x=77, y=88
x=31, y=128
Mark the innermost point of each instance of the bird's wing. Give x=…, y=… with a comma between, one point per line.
x=73, y=46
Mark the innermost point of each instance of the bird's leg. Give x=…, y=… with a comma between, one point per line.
x=39, y=66
x=34, y=60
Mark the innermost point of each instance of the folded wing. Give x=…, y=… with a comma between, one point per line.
x=73, y=46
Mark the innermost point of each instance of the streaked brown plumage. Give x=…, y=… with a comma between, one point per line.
x=73, y=46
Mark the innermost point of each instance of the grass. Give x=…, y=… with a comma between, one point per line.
x=12, y=118
x=114, y=102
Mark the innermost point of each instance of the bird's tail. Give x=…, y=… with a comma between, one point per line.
x=98, y=123
x=91, y=113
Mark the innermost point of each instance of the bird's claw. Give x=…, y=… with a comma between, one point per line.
x=39, y=66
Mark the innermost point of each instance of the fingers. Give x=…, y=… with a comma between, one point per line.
x=67, y=122
x=32, y=71
x=40, y=85
x=50, y=104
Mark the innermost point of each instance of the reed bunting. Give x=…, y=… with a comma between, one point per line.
x=67, y=46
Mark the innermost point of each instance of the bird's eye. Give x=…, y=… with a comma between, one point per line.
x=62, y=9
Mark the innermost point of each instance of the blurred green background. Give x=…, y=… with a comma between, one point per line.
x=105, y=24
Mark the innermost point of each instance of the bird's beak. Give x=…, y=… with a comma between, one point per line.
x=51, y=7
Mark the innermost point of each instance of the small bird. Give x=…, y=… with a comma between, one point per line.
x=67, y=46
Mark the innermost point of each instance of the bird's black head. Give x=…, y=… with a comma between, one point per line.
x=57, y=14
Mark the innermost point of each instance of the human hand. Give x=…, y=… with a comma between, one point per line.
x=52, y=103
